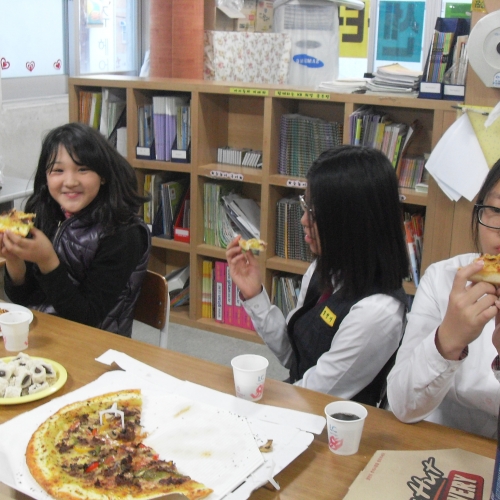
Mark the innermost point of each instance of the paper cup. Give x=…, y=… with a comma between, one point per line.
x=345, y=426
x=249, y=372
x=15, y=327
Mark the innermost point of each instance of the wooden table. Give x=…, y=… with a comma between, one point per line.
x=317, y=473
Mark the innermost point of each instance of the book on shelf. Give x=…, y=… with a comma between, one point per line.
x=113, y=107
x=414, y=231
x=302, y=140
x=180, y=298
x=90, y=106
x=219, y=228
x=243, y=157
x=182, y=222
x=172, y=194
x=285, y=289
x=290, y=243
x=177, y=279
x=206, y=289
x=219, y=286
x=411, y=170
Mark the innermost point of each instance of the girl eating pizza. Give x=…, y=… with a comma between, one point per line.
x=447, y=367
x=349, y=317
x=87, y=255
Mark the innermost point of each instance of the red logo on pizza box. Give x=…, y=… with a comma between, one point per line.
x=434, y=486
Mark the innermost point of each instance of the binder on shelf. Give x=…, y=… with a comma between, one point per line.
x=180, y=155
x=430, y=90
x=453, y=92
x=144, y=152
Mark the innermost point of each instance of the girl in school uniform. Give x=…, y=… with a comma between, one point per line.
x=349, y=317
x=446, y=370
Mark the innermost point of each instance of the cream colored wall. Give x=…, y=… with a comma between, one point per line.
x=23, y=123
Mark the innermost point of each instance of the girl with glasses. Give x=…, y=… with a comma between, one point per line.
x=447, y=367
x=349, y=317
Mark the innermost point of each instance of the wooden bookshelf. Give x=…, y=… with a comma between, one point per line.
x=248, y=115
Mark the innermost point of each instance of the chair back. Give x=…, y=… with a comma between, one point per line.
x=153, y=303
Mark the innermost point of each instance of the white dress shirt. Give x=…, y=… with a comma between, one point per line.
x=423, y=385
x=365, y=340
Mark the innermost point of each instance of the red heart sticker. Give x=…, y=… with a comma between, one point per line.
x=30, y=66
x=57, y=64
x=4, y=63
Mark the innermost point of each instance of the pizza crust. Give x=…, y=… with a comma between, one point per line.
x=491, y=270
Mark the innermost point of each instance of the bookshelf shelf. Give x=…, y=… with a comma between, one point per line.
x=220, y=117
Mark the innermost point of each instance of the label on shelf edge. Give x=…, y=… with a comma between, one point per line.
x=226, y=175
x=302, y=94
x=238, y=90
x=296, y=183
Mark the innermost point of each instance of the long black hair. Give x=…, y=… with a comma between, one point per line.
x=118, y=200
x=489, y=183
x=354, y=197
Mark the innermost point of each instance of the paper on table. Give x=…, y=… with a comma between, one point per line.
x=458, y=161
x=304, y=421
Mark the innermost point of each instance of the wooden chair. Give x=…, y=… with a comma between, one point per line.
x=153, y=305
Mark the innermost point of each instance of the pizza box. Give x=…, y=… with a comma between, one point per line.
x=197, y=442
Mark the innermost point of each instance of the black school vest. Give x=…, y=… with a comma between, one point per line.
x=312, y=328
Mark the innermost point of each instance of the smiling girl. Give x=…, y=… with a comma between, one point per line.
x=349, y=316
x=87, y=255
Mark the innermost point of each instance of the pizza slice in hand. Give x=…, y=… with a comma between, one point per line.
x=17, y=222
x=83, y=451
x=490, y=271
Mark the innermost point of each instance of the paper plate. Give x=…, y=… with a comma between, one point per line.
x=62, y=376
x=14, y=307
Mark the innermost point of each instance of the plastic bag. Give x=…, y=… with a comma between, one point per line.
x=232, y=4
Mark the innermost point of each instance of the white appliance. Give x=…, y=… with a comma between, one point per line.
x=313, y=26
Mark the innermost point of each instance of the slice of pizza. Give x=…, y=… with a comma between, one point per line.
x=254, y=245
x=87, y=450
x=490, y=271
x=18, y=222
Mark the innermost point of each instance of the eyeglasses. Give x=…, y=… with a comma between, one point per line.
x=488, y=216
x=304, y=207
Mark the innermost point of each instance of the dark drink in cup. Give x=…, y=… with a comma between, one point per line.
x=345, y=416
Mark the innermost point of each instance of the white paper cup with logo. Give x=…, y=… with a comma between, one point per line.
x=345, y=421
x=249, y=372
x=15, y=327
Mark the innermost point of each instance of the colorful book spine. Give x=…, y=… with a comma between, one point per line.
x=219, y=286
x=228, y=295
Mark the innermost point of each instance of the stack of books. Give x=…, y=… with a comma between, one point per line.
x=285, y=289
x=302, y=140
x=412, y=169
x=244, y=157
x=290, y=243
x=440, y=56
x=178, y=286
x=372, y=129
x=395, y=79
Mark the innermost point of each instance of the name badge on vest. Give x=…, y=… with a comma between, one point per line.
x=328, y=316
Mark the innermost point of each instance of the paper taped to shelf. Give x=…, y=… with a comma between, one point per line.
x=457, y=163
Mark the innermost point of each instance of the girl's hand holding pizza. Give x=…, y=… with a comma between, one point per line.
x=37, y=249
x=244, y=269
x=470, y=307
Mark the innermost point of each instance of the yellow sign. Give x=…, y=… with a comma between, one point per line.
x=486, y=136
x=328, y=316
x=478, y=6
x=354, y=31
x=236, y=90
x=302, y=95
